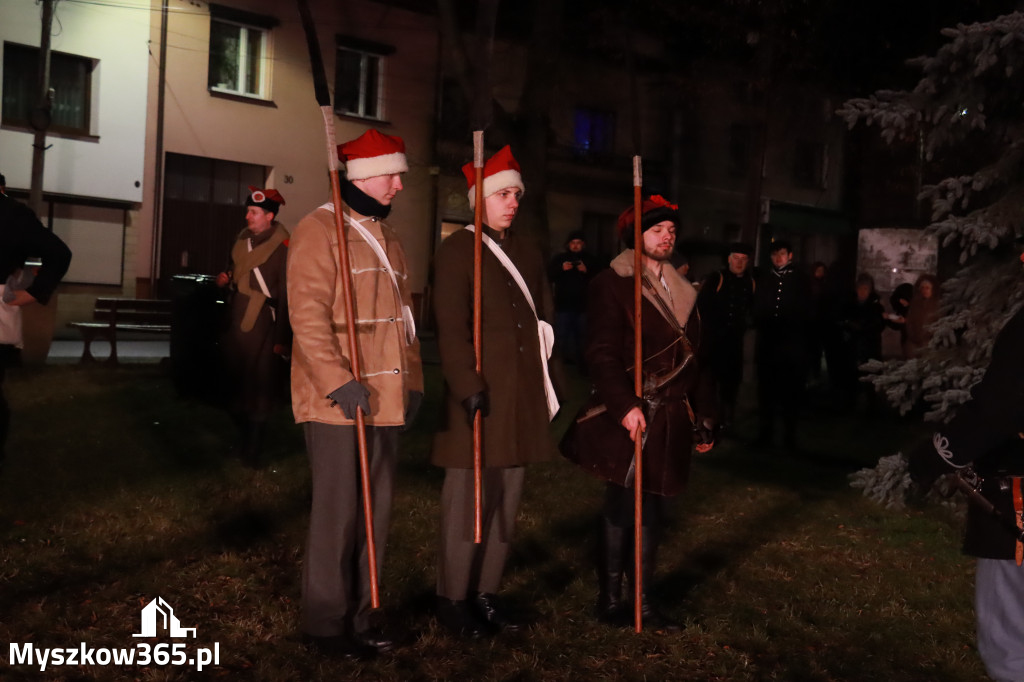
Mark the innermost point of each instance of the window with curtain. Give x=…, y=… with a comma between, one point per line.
x=358, y=84
x=238, y=59
x=70, y=78
x=359, y=76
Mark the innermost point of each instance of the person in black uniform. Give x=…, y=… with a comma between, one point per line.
x=782, y=306
x=725, y=301
x=986, y=434
x=22, y=236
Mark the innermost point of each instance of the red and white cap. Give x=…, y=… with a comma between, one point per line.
x=500, y=171
x=371, y=154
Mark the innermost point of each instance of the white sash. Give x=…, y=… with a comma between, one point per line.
x=545, y=333
x=407, y=316
x=262, y=283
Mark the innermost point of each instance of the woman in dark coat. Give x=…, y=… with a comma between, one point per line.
x=679, y=399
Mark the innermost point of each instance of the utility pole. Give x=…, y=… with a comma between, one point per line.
x=41, y=114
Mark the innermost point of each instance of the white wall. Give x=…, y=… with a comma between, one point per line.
x=110, y=164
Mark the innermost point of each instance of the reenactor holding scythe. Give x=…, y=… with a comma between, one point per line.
x=509, y=395
x=637, y=435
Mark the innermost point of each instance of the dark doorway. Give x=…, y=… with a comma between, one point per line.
x=204, y=209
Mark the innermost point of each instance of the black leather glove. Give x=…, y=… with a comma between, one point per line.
x=476, y=403
x=413, y=408
x=349, y=397
x=704, y=431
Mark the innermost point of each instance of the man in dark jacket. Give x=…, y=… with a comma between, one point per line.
x=725, y=301
x=569, y=272
x=258, y=337
x=22, y=237
x=512, y=395
x=679, y=402
x=986, y=434
x=782, y=307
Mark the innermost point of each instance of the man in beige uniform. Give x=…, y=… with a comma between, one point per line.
x=336, y=611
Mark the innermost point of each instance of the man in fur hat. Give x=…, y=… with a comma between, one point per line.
x=258, y=335
x=677, y=408
x=336, y=588
x=512, y=394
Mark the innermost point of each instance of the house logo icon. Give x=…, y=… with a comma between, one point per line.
x=159, y=609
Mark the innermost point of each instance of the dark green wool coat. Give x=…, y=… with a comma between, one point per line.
x=516, y=429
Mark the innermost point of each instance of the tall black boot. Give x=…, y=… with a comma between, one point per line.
x=652, y=617
x=610, y=557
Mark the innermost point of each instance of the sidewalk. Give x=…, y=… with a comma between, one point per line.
x=69, y=351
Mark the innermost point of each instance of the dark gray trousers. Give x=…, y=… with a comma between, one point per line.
x=462, y=565
x=335, y=576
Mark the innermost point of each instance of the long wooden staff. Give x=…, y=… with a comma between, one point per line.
x=638, y=386
x=323, y=98
x=478, y=331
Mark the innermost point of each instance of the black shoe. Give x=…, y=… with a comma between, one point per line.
x=459, y=618
x=375, y=638
x=338, y=646
x=489, y=608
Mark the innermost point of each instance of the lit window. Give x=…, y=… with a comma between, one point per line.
x=238, y=59
x=594, y=131
x=70, y=78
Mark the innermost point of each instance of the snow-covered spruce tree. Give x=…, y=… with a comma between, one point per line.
x=967, y=114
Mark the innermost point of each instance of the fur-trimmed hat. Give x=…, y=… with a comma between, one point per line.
x=371, y=154
x=654, y=209
x=270, y=200
x=500, y=171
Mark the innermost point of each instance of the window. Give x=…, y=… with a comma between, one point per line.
x=239, y=52
x=594, y=131
x=237, y=58
x=359, y=78
x=70, y=78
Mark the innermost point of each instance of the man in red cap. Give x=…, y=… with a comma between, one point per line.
x=258, y=335
x=676, y=409
x=337, y=616
x=512, y=394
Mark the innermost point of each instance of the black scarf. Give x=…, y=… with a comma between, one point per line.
x=361, y=202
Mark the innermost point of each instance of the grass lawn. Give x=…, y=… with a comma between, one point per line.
x=116, y=492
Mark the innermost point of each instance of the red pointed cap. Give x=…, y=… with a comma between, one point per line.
x=500, y=171
x=373, y=153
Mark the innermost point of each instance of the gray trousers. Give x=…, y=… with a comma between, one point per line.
x=335, y=576
x=464, y=566
x=999, y=609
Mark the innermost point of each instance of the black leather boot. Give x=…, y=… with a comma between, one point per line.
x=459, y=618
x=652, y=617
x=611, y=554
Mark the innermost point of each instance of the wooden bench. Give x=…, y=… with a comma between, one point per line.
x=113, y=315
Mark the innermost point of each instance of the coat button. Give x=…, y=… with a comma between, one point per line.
x=396, y=371
x=391, y=319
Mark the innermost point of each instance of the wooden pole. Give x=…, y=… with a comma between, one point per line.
x=638, y=386
x=345, y=275
x=478, y=334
